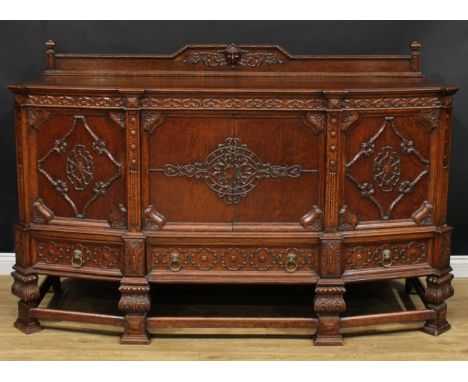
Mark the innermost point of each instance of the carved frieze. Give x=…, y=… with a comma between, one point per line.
x=387, y=102
x=82, y=101
x=228, y=103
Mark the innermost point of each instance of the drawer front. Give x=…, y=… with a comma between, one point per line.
x=387, y=255
x=77, y=256
x=285, y=260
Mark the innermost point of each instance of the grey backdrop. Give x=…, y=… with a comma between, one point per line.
x=444, y=58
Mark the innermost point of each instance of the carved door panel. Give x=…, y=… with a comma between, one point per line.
x=77, y=166
x=233, y=169
x=388, y=170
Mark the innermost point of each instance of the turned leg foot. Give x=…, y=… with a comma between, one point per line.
x=328, y=304
x=135, y=302
x=437, y=291
x=26, y=288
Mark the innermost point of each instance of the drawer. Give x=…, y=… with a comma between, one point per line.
x=78, y=256
x=232, y=260
x=387, y=255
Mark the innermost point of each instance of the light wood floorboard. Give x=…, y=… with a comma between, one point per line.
x=71, y=341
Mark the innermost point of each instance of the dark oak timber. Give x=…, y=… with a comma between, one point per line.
x=226, y=164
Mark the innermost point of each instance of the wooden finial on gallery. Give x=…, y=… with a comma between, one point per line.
x=50, y=55
x=415, y=56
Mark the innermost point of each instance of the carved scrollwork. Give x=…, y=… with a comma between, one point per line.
x=151, y=120
x=232, y=55
x=424, y=214
x=98, y=101
x=430, y=118
x=234, y=259
x=348, y=220
x=348, y=120
x=79, y=168
x=313, y=219
x=378, y=103
x=316, y=121
x=103, y=257
x=387, y=168
x=232, y=170
x=226, y=103
x=369, y=256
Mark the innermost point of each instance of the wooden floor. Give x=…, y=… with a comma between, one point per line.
x=70, y=341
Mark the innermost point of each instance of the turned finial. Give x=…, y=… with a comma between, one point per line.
x=415, y=56
x=50, y=54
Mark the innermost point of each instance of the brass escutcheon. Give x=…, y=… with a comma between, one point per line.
x=387, y=258
x=77, y=259
x=174, y=264
x=291, y=263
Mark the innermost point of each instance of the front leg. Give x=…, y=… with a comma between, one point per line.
x=26, y=288
x=439, y=288
x=135, y=302
x=328, y=304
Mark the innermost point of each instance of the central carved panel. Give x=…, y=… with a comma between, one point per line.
x=232, y=170
x=387, y=169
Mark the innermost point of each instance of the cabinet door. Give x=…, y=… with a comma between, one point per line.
x=77, y=166
x=225, y=171
x=388, y=168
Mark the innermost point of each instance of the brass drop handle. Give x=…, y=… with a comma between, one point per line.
x=77, y=259
x=174, y=264
x=387, y=258
x=291, y=263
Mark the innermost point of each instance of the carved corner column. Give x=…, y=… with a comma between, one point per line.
x=330, y=289
x=439, y=286
x=134, y=288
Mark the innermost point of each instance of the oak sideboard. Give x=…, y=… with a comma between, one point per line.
x=233, y=164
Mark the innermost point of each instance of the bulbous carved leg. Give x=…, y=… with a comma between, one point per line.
x=135, y=302
x=439, y=288
x=26, y=288
x=328, y=304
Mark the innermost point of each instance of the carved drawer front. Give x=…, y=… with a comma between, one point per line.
x=78, y=160
x=80, y=257
x=245, y=168
x=386, y=255
x=387, y=173
x=287, y=260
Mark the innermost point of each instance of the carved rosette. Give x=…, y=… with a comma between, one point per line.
x=329, y=299
x=439, y=289
x=25, y=286
x=135, y=298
